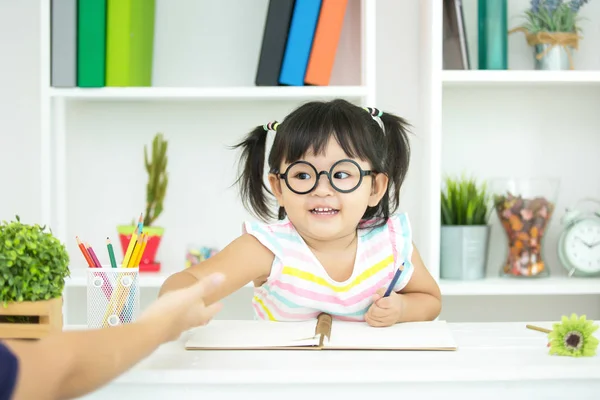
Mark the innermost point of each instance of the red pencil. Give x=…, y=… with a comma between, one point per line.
x=88, y=259
x=93, y=255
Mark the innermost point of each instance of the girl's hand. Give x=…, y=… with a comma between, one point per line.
x=385, y=311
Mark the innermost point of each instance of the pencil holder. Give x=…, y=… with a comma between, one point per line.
x=113, y=296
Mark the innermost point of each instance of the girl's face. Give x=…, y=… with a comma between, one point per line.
x=325, y=213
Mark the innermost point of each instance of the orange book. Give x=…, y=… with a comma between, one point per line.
x=327, y=36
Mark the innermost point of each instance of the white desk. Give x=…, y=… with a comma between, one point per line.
x=494, y=361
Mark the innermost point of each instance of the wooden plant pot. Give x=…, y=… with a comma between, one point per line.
x=49, y=313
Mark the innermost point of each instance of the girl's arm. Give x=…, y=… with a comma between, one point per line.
x=421, y=297
x=242, y=261
x=419, y=300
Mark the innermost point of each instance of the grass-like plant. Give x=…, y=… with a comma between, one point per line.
x=464, y=202
x=553, y=16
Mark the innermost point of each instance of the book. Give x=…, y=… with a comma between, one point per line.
x=63, y=43
x=129, y=42
x=456, y=53
x=325, y=43
x=323, y=333
x=299, y=42
x=274, y=39
x=91, y=43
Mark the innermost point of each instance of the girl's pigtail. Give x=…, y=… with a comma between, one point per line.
x=398, y=155
x=252, y=188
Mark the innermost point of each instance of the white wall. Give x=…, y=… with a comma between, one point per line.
x=398, y=69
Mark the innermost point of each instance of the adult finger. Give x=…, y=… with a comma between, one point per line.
x=206, y=285
x=205, y=314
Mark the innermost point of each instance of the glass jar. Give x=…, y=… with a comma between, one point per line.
x=525, y=208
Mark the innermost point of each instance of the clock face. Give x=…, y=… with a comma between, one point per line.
x=582, y=246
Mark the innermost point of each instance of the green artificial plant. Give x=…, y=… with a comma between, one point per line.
x=553, y=16
x=156, y=188
x=464, y=202
x=33, y=263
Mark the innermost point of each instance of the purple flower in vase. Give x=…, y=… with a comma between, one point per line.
x=552, y=5
x=535, y=6
x=575, y=5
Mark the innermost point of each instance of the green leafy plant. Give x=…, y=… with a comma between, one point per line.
x=464, y=202
x=158, y=179
x=553, y=16
x=33, y=263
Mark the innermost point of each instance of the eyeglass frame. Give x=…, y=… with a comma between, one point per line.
x=362, y=174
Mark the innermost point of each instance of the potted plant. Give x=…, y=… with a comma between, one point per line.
x=552, y=29
x=156, y=189
x=465, y=208
x=33, y=268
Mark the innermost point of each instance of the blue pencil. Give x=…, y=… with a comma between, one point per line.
x=393, y=282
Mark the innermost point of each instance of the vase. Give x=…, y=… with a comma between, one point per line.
x=463, y=251
x=492, y=34
x=525, y=208
x=551, y=58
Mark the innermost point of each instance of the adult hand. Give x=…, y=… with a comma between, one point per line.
x=385, y=311
x=183, y=309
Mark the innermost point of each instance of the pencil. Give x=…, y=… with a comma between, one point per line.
x=135, y=253
x=93, y=256
x=111, y=253
x=130, y=249
x=141, y=252
x=394, y=280
x=86, y=255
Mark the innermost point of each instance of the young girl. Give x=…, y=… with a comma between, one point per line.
x=335, y=170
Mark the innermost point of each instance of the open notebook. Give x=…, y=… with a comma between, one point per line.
x=320, y=334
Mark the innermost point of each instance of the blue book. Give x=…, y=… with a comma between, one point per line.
x=299, y=42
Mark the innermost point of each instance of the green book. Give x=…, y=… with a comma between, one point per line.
x=129, y=42
x=91, y=42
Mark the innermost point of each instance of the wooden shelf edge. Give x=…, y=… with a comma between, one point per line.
x=509, y=286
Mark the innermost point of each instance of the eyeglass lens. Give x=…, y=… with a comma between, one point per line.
x=302, y=177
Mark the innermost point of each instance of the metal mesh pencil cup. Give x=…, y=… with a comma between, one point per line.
x=113, y=296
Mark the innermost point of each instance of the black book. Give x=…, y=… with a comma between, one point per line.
x=274, y=41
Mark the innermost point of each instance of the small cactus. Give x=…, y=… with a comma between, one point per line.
x=156, y=187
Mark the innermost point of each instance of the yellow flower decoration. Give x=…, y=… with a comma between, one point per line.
x=573, y=337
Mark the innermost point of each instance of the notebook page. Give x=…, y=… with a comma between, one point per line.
x=433, y=335
x=247, y=334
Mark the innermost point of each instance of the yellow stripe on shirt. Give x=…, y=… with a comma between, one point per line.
x=307, y=276
x=264, y=307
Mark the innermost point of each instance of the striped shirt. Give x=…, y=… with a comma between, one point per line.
x=299, y=288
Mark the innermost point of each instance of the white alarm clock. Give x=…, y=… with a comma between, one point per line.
x=579, y=242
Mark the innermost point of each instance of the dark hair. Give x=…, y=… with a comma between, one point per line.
x=309, y=127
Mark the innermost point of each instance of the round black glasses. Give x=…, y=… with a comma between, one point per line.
x=345, y=176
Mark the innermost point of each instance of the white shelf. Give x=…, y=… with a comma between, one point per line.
x=515, y=286
x=210, y=93
x=507, y=77
x=78, y=278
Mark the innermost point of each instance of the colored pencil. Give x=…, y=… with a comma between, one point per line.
x=394, y=280
x=141, y=252
x=130, y=247
x=93, y=256
x=86, y=255
x=136, y=252
x=111, y=253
